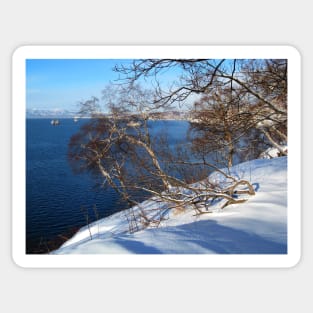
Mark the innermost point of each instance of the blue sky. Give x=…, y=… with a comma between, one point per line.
x=61, y=84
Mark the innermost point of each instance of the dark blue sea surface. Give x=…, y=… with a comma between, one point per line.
x=56, y=198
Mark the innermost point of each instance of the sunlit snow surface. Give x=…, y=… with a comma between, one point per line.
x=258, y=226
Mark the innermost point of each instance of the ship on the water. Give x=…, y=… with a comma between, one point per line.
x=55, y=122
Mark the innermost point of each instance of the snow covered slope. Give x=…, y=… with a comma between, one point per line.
x=258, y=226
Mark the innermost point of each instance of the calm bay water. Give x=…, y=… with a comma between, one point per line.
x=55, y=195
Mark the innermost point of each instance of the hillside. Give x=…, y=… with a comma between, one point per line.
x=258, y=226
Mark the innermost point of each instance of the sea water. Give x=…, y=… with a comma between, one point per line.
x=57, y=200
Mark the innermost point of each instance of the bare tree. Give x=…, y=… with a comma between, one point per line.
x=119, y=148
x=236, y=100
x=271, y=80
x=257, y=87
x=219, y=124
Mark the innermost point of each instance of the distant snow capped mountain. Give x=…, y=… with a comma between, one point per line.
x=50, y=113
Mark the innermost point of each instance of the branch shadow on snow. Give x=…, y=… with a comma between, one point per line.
x=136, y=247
x=222, y=239
x=204, y=237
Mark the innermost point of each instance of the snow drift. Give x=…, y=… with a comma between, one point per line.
x=258, y=226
